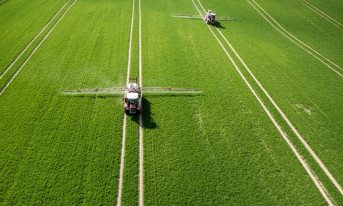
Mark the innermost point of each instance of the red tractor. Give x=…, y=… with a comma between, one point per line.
x=210, y=17
x=133, y=97
x=132, y=93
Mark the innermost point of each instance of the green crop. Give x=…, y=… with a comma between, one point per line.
x=214, y=148
x=58, y=149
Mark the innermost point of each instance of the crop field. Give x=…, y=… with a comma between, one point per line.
x=267, y=128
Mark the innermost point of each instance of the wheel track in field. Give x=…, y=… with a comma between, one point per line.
x=141, y=149
x=308, y=148
x=322, y=14
x=122, y=156
x=141, y=157
x=314, y=178
x=27, y=46
x=295, y=40
x=35, y=49
x=315, y=25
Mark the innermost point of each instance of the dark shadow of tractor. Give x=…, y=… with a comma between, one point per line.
x=148, y=121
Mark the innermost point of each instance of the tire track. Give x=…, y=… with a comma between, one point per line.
x=22, y=52
x=296, y=41
x=141, y=149
x=322, y=14
x=35, y=49
x=122, y=156
x=315, y=25
x=314, y=178
x=309, y=149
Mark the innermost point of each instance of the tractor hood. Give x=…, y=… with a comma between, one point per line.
x=132, y=95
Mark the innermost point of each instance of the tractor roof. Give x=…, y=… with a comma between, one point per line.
x=132, y=95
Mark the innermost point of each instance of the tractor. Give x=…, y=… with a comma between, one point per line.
x=132, y=93
x=133, y=97
x=210, y=17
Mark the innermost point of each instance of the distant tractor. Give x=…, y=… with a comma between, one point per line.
x=133, y=97
x=210, y=17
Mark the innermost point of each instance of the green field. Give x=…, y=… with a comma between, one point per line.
x=214, y=148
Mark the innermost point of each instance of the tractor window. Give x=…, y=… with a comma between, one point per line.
x=133, y=101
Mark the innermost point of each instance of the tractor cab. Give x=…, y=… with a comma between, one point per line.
x=210, y=17
x=132, y=102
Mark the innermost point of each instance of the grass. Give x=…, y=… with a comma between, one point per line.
x=19, y=27
x=215, y=148
x=59, y=149
x=287, y=74
x=223, y=89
